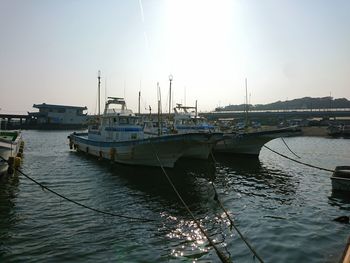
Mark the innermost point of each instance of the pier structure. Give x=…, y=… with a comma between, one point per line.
x=13, y=121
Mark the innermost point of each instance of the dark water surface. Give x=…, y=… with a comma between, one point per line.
x=285, y=210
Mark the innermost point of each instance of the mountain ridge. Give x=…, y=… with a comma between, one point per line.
x=301, y=103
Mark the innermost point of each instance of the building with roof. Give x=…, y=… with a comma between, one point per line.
x=58, y=115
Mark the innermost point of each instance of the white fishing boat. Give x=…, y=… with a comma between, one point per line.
x=186, y=120
x=10, y=144
x=250, y=143
x=118, y=135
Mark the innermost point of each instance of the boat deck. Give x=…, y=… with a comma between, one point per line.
x=8, y=136
x=6, y=139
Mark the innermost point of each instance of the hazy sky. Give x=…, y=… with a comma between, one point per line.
x=51, y=51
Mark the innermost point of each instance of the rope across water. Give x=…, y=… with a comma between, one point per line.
x=306, y=164
x=232, y=224
x=80, y=204
x=222, y=257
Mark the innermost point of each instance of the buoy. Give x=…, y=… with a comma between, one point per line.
x=112, y=153
x=22, y=143
x=20, y=150
x=19, y=154
x=10, y=162
x=17, y=162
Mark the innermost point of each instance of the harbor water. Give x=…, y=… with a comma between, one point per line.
x=284, y=209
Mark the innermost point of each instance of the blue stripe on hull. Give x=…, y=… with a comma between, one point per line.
x=178, y=137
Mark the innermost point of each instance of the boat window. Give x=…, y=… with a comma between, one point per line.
x=134, y=121
x=123, y=120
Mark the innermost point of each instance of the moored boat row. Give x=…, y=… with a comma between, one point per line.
x=121, y=136
x=118, y=135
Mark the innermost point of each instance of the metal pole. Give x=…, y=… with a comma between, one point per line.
x=196, y=109
x=99, y=89
x=246, y=105
x=139, y=100
x=170, y=79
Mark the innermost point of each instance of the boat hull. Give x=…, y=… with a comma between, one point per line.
x=4, y=153
x=252, y=142
x=202, y=148
x=340, y=184
x=154, y=151
x=341, y=179
x=8, y=148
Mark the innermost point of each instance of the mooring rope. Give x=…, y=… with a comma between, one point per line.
x=289, y=148
x=306, y=164
x=232, y=224
x=78, y=203
x=222, y=257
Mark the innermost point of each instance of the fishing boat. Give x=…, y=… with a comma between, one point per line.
x=250, y=143
x=118, y=135
x=186, y=120
x=10, y=145
x=341, y=179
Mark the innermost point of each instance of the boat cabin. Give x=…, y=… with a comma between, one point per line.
x=117, y=123
x=187, y=120
x=155, y=127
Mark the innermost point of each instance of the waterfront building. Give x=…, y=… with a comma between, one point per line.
x=60, y=115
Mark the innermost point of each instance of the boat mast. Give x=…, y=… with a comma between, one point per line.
x=139, y=100
x=196, y=109
x=99, y=90
x=246, y=104
x=159, y=110
x=170, y=79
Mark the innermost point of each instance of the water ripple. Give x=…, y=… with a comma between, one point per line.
x=284, y=209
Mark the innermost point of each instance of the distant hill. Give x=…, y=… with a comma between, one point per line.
x=303, y=103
